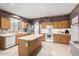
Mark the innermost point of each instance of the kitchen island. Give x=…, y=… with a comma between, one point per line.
x=29, y=45
x=20, y=34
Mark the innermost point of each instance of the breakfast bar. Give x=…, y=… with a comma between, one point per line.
x=29, y=45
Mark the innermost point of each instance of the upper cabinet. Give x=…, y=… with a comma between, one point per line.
x=61, y=24
x=56, y=24
x=43, y=25
x=24, y=24
x=4, y=23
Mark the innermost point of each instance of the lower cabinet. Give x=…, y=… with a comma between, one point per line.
x=43, y=37
x=61, y=38
x=7, y=41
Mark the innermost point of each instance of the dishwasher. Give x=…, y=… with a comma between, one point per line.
x=10, y=41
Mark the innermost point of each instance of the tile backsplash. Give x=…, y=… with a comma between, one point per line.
x=55, y=30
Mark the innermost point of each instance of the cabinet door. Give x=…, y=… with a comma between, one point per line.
x=49, y=23
x=58, y=24
x=63, y=24
x=5, y=23
x=66, y=24
x=43, y=25
x=23, y=25
x=55, y=25
x=2, y=42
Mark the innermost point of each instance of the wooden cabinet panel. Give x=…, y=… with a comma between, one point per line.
x=4, y=23
x=61, y=24
x=22, y=48
x=60, y=38
x=57, y=24
x=43, y=25
x=2, y=42
x=24, y=24
x=42, y=37
x=29, y=48
x=49, y=23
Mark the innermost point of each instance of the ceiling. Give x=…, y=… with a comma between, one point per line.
x=36, y=10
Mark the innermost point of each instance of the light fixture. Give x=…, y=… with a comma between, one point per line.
x=12, y=4
x=42, y=7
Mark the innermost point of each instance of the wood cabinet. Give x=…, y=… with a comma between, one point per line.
x=66, y=24
x=49, y=23
x=7, y=41
x=43, y=25
x=28, y=47
x=24, y=24
x=2, y=42
x=43, y=37
x=4, y=23
x=56, y=24
x=61, y=38
x=61, y=24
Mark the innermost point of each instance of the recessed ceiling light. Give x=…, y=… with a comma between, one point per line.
x=12, y=4
x=42, y=7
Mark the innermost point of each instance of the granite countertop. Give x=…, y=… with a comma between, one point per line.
x=7, y=34
x=22, y=32
x=11, y=34
x=62, y=33
x=30, y=37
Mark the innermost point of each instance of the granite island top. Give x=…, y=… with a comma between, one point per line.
x=30, y=37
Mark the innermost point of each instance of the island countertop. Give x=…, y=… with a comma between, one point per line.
x=30, y=37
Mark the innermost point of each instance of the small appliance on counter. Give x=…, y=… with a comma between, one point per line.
x=66, y=31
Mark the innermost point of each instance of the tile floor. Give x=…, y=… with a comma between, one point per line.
x=48, y=49
x=54, y=49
